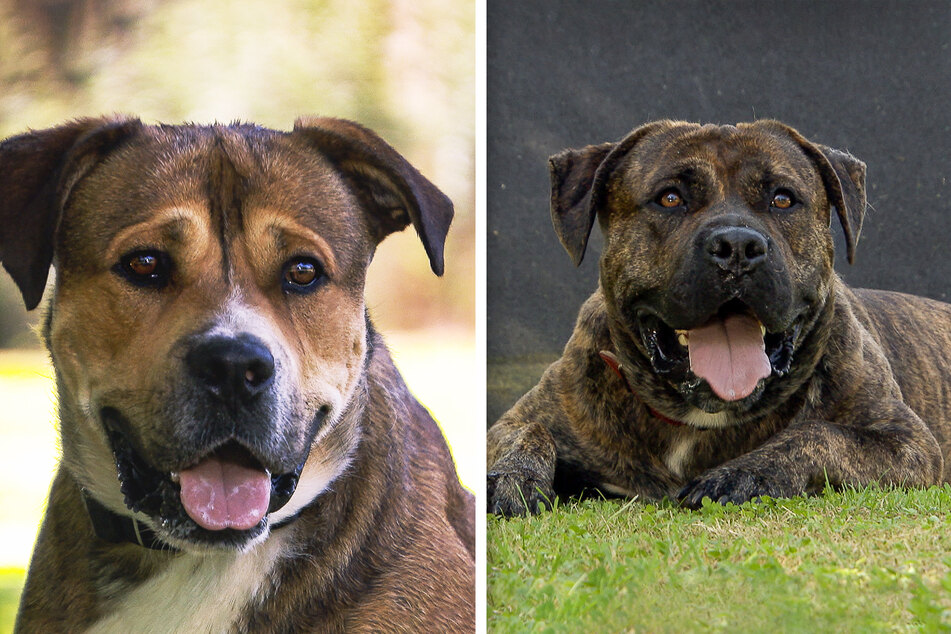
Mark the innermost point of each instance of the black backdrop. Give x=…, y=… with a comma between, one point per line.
x=873, y=78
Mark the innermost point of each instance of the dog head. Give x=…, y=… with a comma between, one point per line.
x=207, y=326
x=718, y=255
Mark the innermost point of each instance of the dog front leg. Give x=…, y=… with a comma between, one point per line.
x=522, y=456
x=895, y=448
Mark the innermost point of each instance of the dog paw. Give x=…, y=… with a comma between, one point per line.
x=517, y=492
x=729, y=484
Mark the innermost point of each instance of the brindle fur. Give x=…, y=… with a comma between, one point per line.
x=868, y=396
x=390, y=543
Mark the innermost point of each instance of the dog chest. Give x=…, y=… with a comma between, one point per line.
x=195, y=593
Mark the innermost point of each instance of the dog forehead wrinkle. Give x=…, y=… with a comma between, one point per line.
x=231, y=165
x=694, y=171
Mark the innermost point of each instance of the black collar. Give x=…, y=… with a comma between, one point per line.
x=119, y=529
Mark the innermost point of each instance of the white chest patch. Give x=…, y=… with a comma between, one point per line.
x=680, y=451
x=195, y=593
x=705, y=420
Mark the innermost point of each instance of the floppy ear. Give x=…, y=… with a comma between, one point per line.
x=38, y=170
x=578, y=179
x=397, y=193
x=848, y=177
x=572, y=214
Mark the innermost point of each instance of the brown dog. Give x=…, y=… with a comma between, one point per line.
x=721, y=356
x=239, y=452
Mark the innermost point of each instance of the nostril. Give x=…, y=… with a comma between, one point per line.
x=721, y=249
x=755, y=249
x=212, y=370
x=258, y=372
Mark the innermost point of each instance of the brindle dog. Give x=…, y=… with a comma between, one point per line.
x=721, y=356
x=239, y=452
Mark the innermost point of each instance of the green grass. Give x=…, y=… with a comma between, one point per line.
x=868, y=560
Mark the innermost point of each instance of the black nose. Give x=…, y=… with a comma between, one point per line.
x=233, y=369
x=736, y=249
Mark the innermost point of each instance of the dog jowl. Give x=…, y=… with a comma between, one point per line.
x=225, y=403
x=721, y=356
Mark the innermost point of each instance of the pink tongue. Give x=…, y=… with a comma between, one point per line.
x=220, y=492
x=730, y=354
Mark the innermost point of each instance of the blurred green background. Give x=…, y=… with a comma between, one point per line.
x=402, y=67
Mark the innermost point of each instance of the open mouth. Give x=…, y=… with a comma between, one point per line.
x=222, y=498
x=733, y=351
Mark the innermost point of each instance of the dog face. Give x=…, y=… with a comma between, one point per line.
x=718, y=257
x=208, y=327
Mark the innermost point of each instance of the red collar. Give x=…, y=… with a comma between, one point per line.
x=611, y=359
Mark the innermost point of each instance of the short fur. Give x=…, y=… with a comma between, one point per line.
x=384, y=539
x=861, y=393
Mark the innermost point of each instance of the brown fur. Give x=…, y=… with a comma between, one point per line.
x=866, y=396
x=390, y=542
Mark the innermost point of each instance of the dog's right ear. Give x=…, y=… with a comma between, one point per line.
x=578, y=179
x=38, y=170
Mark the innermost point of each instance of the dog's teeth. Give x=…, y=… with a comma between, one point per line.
x=762, y=329
x=682, y=337
x=174, y=477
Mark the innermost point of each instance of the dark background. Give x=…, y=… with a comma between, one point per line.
x=873, y=78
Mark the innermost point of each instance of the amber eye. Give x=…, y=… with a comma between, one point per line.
x=144, y=264
x=782, y=199
x=145, y=268
x=670, y=199
x=302, y=274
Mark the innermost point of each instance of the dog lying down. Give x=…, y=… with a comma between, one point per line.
x=721, y=356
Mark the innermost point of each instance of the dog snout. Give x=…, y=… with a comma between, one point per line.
x=235, y=370
x=736, y=249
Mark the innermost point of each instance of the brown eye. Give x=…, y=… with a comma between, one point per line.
x=670, y=199
x=144, y=264
x=302, y=274
x=782, y=199
x=145, y=268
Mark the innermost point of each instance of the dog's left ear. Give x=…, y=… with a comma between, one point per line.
x=38, y=170
x=847, y=182
x=397, y=192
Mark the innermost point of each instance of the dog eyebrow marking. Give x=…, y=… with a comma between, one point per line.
x=172, y=225
x=692, y=173
x=287, y=233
